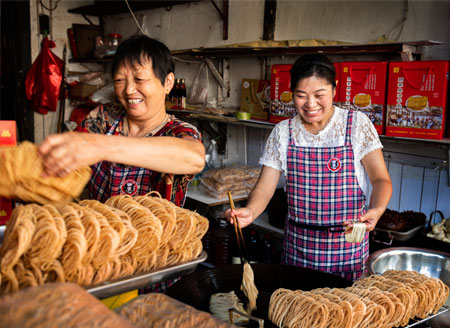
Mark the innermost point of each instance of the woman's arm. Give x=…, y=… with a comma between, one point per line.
x=65, y=152
x=381, y=188
x=258, y=199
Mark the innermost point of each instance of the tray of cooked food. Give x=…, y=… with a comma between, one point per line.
x=394, y=225
x=108, y=248
x=395, y=298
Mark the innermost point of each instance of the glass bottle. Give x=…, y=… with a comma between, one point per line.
x=267, y=249
x=253, y=247
x=221, y=242
x=175, y=94
x=182, y=97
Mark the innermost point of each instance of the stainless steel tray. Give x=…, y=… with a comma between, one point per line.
x=111, y=288
x=415, y=322
x=397, y=235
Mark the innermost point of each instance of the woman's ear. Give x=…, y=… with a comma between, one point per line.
x=169, y=82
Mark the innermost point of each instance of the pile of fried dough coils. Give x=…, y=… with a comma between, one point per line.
x=91, y=242
x=20, y=177
x=388, y=300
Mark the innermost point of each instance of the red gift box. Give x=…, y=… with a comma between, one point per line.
x=8, y=137
x=363, y=88
x=417, y=99
x=337, y=96
x=281, y=103
x=6, y=208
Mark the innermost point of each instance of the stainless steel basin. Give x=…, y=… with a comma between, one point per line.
x=429, y=262
x=432, y=263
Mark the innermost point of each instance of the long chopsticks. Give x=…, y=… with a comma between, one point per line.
x=238, y=232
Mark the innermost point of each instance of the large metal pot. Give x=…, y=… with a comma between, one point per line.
x=196, y=289
x=425, y=261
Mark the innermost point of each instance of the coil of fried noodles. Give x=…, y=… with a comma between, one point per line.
x=90, y=242
x=21, y=177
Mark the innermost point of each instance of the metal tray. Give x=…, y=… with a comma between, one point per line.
x=111, y=288
x=397, y=235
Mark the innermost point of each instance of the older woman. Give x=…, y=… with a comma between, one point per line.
x=134, y=147
x=329, y=157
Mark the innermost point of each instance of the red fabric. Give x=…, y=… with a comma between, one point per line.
x=43, y=80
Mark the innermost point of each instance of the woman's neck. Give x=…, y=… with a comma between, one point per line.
x=142, y=128
x=316, y=127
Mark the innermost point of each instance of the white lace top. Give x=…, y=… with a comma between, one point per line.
x=364, y=140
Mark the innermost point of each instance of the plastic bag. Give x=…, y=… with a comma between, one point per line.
x=199, y=88
x=43, y=80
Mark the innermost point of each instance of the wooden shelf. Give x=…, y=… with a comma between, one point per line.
x=357, y=49
x=104, y=8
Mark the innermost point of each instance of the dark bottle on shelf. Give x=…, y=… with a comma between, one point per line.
x=182, y=95
x=253, y=247
x=175, y=94
x=267, y=249
x=222, y=240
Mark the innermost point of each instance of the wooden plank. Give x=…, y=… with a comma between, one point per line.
x=395, y=171
x=443, y=195
x=411, y=186
x=270, y=14
x=429, y=191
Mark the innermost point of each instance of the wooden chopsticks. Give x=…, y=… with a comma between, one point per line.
x=238, y=232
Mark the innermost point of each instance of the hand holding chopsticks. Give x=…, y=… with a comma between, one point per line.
x=238, y=232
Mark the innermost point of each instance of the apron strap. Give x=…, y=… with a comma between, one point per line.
x=348, y=129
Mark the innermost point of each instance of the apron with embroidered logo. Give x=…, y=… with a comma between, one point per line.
x=111, y=179
x=322, y=192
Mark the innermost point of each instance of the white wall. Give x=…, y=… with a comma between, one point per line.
x=62, y=20
x=358, y=21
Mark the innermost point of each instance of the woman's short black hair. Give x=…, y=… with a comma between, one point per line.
x=313, y=65
x=140, y=47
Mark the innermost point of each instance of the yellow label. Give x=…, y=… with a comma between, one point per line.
x=362, y=100
x=396, y=69
x=417, y=103
x=286, y=97
x=6, y=134
x=345, y=69
x=2, y=213
x=275, y=71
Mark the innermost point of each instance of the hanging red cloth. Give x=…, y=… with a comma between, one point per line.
x=43, y=80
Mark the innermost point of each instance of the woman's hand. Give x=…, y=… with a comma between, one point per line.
x=370, y=219
x=66, y=152
x=244, y=215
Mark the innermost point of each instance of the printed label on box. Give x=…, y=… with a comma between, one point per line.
x=417, y=98
x=363, y=88
x=255, y=98
x=281, y=103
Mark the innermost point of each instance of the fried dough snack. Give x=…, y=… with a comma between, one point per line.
x=89, y=242
x=20, y=177
x=389, y=300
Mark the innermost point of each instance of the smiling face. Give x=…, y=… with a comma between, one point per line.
x=313, y=99
x=140, y=91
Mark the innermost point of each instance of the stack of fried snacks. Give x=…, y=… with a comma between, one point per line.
x=389, y=300
x=57, y=305
x=160, y=311
x=90, y=242
x=20, y=177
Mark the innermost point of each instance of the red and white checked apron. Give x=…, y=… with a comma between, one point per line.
x=322, y=192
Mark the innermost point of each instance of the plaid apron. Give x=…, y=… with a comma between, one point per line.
x=322, y=192
x=111, y=179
